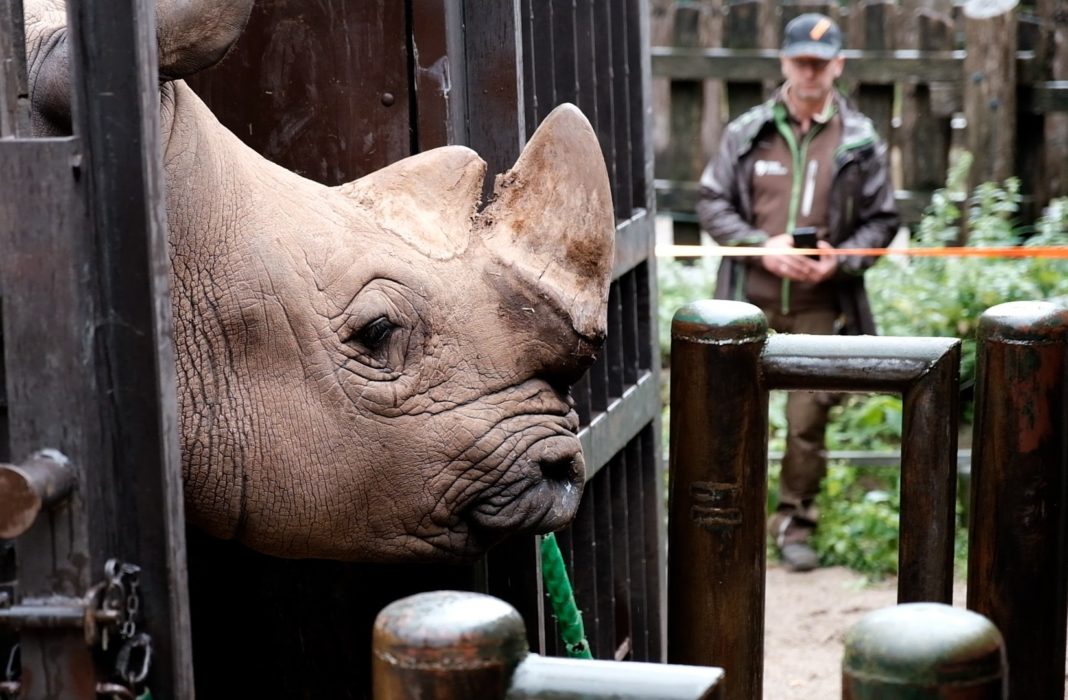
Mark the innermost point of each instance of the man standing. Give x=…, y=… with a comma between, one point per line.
x=803, y=160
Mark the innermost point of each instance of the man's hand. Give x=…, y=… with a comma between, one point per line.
x=798, y=268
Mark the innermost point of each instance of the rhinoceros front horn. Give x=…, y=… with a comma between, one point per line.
x=551, y=220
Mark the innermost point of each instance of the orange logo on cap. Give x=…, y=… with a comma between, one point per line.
x=819, y=29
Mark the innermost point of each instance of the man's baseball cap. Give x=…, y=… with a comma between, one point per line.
x=812, y=34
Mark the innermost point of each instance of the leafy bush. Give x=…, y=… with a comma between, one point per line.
x=910, y=297
x=859, y=521
x=680, y=283
x=924, y=296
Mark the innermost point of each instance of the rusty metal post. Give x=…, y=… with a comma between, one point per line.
x=448, y=645
x=718, y=492
x=1016, y=560
x=924, y=651
x=43, y=480
x=451, y=645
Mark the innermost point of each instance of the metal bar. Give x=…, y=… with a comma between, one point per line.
x=652, y=482
x=452, y=645
x=1016, y=560
x=636, y=548
x=493, y=54
x=635, y=242
x=604, y=630
x=620, y=525
x=136, y=481
x=538, y=677
x=850, y=363
x=929, y=481
x=610, y=431
x=104, y=393
x=924, y=371
x=724, y=367
x=718, y=492
x=42, y=481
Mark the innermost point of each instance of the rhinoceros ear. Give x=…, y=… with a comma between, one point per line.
x=429, y=199
x=552, y=219
x=196, y=34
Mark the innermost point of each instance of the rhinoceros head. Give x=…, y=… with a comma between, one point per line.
x=377, y=371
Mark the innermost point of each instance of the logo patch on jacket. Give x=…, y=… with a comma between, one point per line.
x=769, y=167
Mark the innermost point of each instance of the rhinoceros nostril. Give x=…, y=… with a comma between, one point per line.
x=561, y=469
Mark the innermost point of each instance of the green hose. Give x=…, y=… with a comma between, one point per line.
x=558, y=586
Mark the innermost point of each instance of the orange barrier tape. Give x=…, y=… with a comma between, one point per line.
x=699, y=251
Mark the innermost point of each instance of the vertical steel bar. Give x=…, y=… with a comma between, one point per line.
x=927, y=521
x=1016, y=560
x=718, y=492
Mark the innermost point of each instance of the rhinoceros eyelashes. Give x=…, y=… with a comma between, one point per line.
x=373, y=336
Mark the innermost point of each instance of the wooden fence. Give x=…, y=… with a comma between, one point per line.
x=907, y=67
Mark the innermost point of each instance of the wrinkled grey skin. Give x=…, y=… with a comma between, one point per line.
x=377, y=371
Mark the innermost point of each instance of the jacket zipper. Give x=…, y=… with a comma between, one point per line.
x=799, y=155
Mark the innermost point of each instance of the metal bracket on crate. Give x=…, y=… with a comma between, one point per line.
x=108, y=616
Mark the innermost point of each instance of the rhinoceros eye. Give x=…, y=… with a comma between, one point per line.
x=375, y=334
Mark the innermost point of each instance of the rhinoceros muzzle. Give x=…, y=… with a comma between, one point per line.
x=543, y=494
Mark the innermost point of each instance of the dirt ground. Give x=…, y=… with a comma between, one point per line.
x=807, y=617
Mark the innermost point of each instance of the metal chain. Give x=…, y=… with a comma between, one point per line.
x=133, y=659
x=113, y=607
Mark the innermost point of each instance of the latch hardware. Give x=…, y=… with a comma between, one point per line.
x=107, y=615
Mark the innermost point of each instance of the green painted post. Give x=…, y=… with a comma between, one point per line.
x=924, y=651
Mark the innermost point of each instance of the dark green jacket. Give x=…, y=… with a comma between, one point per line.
x=861, y=214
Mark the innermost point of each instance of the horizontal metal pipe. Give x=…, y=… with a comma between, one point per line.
x=582, y=679
x=49, y=616
x=849, y=363
x=46, y=478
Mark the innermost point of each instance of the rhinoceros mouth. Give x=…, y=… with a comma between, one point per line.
x=544, y=494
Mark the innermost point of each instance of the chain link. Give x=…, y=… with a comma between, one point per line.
x=112, y=616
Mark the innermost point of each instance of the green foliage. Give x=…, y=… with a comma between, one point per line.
x=915, y=296
x=680, y=283
x=932, y=296
x=866, y=423
x=859, y=522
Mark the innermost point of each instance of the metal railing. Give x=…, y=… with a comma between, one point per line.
x=724, y=365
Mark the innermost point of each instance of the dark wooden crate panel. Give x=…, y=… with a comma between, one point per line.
x=319, y=88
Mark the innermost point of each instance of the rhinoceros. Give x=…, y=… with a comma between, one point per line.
x=378, y=371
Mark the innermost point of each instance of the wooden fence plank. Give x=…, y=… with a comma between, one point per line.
x=303, y=113
x=1055, y=16
x=437, y=90
x=872, y=27
x=990, y=88
x=743, y=31
x=684, y=160
x=14, y=88
x=924, y=136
